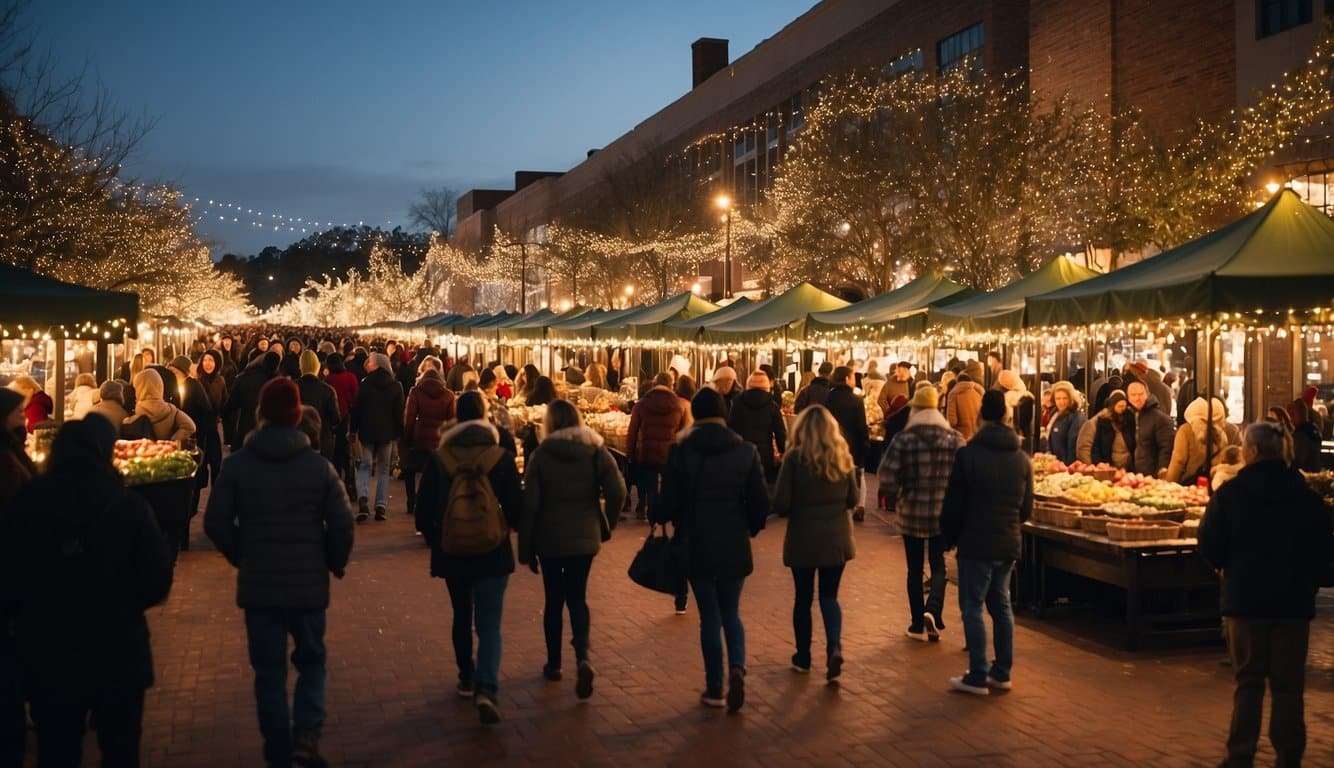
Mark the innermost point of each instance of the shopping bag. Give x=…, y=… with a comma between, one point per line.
x=656, y=566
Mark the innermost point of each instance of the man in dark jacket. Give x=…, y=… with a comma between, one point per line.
x=238, y=415
x=757, y=418
x=279, y=514
x=1269, y=534
x=83, y=559
x=815, y=392
x=654, y=423
x=1155, y=434
x=476, y=584
x=849, y=410
x=714, y=495
x=322, y=398
x=376, y=421
x=990, y=495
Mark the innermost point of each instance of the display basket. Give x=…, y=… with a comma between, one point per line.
x=1143, y=531
x=1066, y=517
x=1096, y=524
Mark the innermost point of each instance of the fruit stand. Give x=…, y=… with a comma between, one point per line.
x=164, y=476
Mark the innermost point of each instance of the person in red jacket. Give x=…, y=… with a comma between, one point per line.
x=37, y=405
x=344, y=384
x=654, y=423
x=430, y=405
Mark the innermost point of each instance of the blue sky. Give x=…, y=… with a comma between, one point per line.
x=341, y=111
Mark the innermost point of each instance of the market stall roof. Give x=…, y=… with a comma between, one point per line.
x=439, y=320
x=1278, y=258
x=646, y=322
x=534, y=327
x=867, y=319
x=42, y=303
x=584, y=326
x=688, y=329
x=785, y=313
x=1003, y=308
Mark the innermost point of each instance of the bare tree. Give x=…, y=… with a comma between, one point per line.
x=437, y=210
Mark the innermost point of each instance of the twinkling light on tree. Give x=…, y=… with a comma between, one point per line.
x=385, y=293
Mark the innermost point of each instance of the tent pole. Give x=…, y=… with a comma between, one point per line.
x=59, y=363
x=1209, y=400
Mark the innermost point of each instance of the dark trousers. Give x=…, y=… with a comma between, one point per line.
x=1272, y=650
x=565, y=581
x=62, y=717
x=13, y=719
x=411, y=469
x=935, y=602
x=649, y=480
x=460, y=599
x=266, y=633
x=830, y=611
x=342, y=460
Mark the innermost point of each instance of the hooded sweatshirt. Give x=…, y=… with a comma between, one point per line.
x=565, y=482
x=166, y=421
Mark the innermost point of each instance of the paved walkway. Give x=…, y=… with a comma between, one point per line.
x=391, y=700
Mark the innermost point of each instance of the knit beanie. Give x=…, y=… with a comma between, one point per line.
x=280, y=403
x=181, y=363
x=707, y=404
x=471, y=406
x=758, y=380
x=993, y=405
x=925, y=398
x=113, y=390
x=310, y=363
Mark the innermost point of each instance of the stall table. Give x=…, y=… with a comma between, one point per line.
x=1171, y=566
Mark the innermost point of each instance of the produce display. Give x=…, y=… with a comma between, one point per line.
x=614, y=427
x=152, y=461
x=1125, y=497
x=1323, y=484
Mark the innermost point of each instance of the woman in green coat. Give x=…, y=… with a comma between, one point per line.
x=816, y=490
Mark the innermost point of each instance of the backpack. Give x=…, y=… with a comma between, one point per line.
x=473, y=523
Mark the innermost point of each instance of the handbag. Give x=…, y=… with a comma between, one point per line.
x=656, y=565
x=603, y=524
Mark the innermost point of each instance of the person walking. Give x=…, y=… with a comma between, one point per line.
x=815, y=490
x=430, y=405
x=815, y=392
x=83, y=559
x=322, y=397
x=1155, y=433
x=279, y=514
x=1269, y=535
x=376, y=422
x=563, y=526
x=153, y=416
x=476, y=582
x=1063, y=429
x=655, y=422
x=849, y=410
x=989, y=496
x=758, y=419
x=209, y=373
x=913, y=476
x=345, y=385
x=714, y=496
x=238, y=415
x=963, y=404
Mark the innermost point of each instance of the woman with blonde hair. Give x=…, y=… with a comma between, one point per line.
x=597, y=376
x=816, y=490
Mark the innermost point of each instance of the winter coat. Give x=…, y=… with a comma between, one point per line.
x=1159, y=391
x=1188, y=455
x=407, y=372
x=291, y=365
x=819, y=526
x=215, y=384
x=84, y=398
x=166, y=421
x=963, y=407
x=324, y=400
x=1155, y=434
x=1063, y=434
x=1084, y=441
x=814, y=393
x=654, y=424
x=759, y=421
x=39, y=408
x=565, y=483
x=849, y=411
x=915, y=470
x=429, y=406
x=893, y=388
x=989, y=497
x=1306, y=447
x=112, y=410
x=713, y=493
x=279, y=513
x=465, y=441
x=197, y=405
x=1269, y=534
x=1104, y=446
x=345, y=385
x=239, y=414
x=377, y=414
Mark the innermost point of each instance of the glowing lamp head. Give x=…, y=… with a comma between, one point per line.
x=1272, y=187
x=723, y=202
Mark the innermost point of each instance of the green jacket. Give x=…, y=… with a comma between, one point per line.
x=819, y=526
x=565, y=482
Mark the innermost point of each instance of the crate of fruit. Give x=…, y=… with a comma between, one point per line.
x=1143, y=530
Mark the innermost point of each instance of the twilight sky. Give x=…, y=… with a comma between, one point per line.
x=341, y=111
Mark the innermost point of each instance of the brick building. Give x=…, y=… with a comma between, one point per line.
x=1175, y=61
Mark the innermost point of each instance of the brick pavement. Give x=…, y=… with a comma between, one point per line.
x=391, y=700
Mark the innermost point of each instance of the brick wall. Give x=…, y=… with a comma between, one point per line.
x=1176, y=60
x=1070, y=51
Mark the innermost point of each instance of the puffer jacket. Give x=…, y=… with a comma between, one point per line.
x=759, y=421
x=819, y=526
x=963, y=407
x=654, y=424
x=280, y=514
x=990, y=495
x=915, y=471
x=565, y=483
x=377, y=415
x=430, y=405
x=713, y=493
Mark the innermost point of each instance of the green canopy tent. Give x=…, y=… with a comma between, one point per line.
x=872, y=320
x=1276, y=259
x=646, y=322
x=776, y=319
x=583, y=327
x=534, y=327
x=688, y=330
x=1002, y=310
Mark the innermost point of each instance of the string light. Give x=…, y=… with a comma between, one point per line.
x=209, y=210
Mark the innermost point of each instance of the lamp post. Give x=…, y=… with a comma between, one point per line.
x=724, y=203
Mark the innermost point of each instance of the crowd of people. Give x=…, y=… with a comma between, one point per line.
x=294, y=426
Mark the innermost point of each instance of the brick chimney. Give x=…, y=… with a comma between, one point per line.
x=708, y=55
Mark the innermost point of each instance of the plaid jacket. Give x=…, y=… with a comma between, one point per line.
x=915, y=471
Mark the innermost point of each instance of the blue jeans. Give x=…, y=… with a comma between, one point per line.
x=379, y=455
x=719, y=603
x=481, y=600
x=804, y=581
x=266, y=632
x=982, y=582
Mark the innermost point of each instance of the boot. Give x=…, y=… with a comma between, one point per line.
x=363, y=509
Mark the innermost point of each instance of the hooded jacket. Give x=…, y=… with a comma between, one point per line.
x=377, y=414
x=713, y=493
x=915, y=471
x=429, y=406
x=1189, y=449
x=465, y=441
x=963, y=407
x=565, y=484
x=1155, y=434
x=166, y=421
x=215, y=384
x=819, y=526
x=1269, y=534
x=814, y=393
x=989, y=496
x=757, y=418
x=279, y=513
x=654, y=424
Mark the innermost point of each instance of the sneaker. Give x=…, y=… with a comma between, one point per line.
x=1000, y=685
x=835, y=666
x=963, y=683
x=464, y=689
x=932, y=629
x=917, y=633
x=801, y=664
x=859, y=515
x=551, y=673
x=736, y=689
x=306, y=751
x=680, y=611
x=380, y=513
x=363, y=510
x=583, y=686
x=487, y=709
x=712, y=698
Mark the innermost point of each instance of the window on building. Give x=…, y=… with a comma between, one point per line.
x=958, y=47
x=1274, y=16
x=795, y=116
x=912, y=61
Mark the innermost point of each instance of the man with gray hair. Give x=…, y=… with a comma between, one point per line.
x=1270, y=537
x=376, y=421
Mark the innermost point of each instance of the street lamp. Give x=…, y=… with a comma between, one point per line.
x=629, y=295
x=724, y=203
